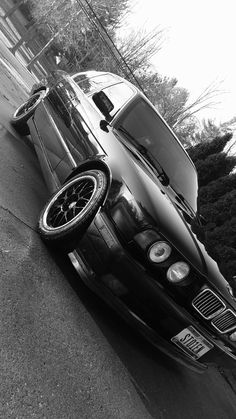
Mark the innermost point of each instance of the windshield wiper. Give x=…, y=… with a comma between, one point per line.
x=180, y=198
x=148, y=157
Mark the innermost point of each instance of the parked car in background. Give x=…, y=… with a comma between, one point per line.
x=124, y=208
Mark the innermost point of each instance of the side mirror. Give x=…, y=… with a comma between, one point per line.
x=103, y=125
x=104, y=104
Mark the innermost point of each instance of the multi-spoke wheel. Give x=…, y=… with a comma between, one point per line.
x=71, y=210
x=24, y=112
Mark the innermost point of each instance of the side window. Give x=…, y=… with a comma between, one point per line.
x=119, y=94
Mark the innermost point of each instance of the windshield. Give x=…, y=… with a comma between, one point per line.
x=143, y=127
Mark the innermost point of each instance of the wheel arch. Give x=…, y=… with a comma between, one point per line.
x=62, y=222
x=38, y=89
x=93, y=164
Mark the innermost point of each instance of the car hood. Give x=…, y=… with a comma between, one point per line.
x=137, y=200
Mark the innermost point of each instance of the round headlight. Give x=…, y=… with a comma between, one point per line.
x=159, y=251
x=233, y=336
x=178, y=272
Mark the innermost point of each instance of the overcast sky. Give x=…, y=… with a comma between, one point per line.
x=199, y=46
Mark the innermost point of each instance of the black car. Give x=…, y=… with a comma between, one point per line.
x=124, y=208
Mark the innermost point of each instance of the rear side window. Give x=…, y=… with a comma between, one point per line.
x=117, y=91
x=91, y=84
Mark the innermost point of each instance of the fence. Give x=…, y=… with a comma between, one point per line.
x=24, y=40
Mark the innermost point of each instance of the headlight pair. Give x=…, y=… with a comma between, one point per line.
x=159, y=252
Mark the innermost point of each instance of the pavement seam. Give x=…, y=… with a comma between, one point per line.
x=17, y=218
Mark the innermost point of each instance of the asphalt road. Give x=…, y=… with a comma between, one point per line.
x=63, y=353
x=54, y=360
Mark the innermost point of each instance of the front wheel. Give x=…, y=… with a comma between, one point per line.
x=24, y=112
x=70, y=211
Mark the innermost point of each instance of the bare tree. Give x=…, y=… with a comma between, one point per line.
x=140, y=46
x=206, y=100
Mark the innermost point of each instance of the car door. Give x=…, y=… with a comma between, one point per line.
x=64, y=128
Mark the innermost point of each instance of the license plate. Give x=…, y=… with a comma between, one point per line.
x=192, y=342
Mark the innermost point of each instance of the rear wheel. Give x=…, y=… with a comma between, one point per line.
x=24, y=112
x=70, y=211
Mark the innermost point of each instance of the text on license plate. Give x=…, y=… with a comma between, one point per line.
x=192, y=342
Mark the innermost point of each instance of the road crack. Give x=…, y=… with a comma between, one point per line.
x=229, y=378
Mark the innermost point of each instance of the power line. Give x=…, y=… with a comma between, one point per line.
x=100, y=33
x=112, y=46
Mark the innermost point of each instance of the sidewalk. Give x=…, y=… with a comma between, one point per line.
x=13, y=67
x=15, y=80
x=16, y=83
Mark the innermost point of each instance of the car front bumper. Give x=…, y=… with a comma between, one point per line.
x=100, y=260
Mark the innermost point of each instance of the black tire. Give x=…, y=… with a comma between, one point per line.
x=70, y=211
x=24, y=112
